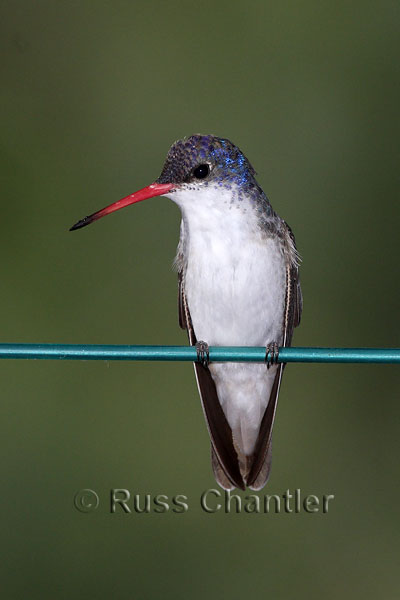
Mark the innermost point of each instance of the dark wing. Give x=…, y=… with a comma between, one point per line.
x=260, y=468
x=294, y=297
x=224, y=456
x=181, y=310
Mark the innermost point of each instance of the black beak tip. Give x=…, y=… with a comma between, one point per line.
x=81, y=223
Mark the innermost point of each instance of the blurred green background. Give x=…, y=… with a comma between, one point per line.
x=92, y=95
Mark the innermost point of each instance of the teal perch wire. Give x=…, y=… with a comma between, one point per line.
x=188, y=353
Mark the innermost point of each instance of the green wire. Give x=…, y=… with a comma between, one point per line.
x=188, y=353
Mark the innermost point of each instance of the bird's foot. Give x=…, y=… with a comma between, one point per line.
x=203, y=353
x=271, y=354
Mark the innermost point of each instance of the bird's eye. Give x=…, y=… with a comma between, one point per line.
x=201, y=171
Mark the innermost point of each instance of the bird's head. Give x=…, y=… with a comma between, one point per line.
x=192, y=164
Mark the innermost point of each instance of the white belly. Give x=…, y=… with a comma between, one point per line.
x=235, y=284
x=236, y=292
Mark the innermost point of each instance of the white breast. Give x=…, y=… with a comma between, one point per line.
x=235, y=281
x=235, y=275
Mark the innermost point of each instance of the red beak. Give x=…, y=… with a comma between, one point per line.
x=155, y=189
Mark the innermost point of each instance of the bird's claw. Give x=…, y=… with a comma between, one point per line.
x=203, y=353
x=271, y=354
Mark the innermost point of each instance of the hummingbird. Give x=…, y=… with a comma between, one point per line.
x=238, y=285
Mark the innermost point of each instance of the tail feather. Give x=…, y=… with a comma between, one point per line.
x=223, y=449
x=262, y=456
x=219, y=472
x=263, y=475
